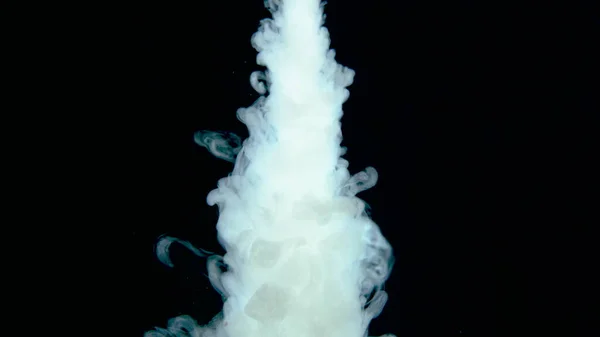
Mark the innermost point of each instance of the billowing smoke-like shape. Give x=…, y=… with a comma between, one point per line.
x=303, y=257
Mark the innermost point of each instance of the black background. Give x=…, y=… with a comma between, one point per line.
x=478, y=115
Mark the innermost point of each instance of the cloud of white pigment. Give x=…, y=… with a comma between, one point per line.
x=303, y=257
